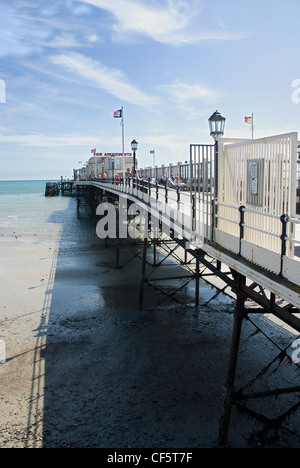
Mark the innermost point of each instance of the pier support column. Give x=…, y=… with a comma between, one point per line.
x=229, y=395
x=197, y=283
x=118, y=254
x=143, y=277
x=154, y=252
x=78, y=202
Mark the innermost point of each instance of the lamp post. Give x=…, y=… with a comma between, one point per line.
x=134, y=147
x=216, y=127
x=112, y=161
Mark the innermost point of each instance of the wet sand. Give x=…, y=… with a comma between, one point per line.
x=86, y=368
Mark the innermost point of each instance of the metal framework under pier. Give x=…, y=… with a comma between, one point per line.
x=265, y=304
x=250, y=297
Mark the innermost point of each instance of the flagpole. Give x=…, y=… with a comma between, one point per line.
x=122, y=123
x=252, y=127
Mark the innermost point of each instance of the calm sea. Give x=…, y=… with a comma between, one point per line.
x=27, y=216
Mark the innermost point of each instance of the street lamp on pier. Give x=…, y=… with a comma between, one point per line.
x=134, y=147
x=216, y=127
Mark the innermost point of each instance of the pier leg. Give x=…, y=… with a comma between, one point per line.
x=154, y=252
x=78, y=203
x=239, y=315
x=142, y=286
x=118, y=254
x=197, y=283
x=185, y=256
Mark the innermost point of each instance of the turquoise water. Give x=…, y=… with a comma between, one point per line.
x=13, y=188
x=27, y=216
x=25, y=211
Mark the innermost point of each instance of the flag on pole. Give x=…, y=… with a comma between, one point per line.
x=153, y=152
x=118, y=114
x=249, y=120
x=93, y=150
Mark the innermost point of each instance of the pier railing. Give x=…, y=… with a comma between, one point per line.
x=251, y=213
x=204, y=223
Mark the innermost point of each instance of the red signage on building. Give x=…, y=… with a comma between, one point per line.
x=113, y=154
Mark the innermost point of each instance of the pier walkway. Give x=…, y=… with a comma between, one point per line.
x=236, y=215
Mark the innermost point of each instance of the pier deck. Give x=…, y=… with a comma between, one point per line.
x=238, y=221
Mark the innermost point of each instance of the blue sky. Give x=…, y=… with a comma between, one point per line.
x=67, y=65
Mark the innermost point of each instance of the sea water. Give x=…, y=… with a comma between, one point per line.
x=25, y=211
x=27, y=216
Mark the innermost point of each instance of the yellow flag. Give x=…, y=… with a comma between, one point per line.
x=248, y=120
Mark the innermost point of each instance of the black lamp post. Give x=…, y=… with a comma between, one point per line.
x=216, y=127
x=134, y=147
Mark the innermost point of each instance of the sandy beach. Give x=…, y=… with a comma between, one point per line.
x=85, y=368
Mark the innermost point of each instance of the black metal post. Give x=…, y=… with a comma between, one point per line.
x=216, y=184
x=242, y=225
x=197, y=282
x=284, y=220
x=193, y=213
x=178, y=198
x=134, y=164
x=78, y=202
x=229, y=396
x=143, y=277
x=216, y=169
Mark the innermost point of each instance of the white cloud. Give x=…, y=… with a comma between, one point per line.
x=48, y=141
x=187, y=97
x=67, y=40
x=17, y=38
x=64, y=40
x=182, y=92
x=167, y=24
x=28, y=28
x=112, y=80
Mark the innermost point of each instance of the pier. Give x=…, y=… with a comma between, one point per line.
x=64, y=188
x=235, y=225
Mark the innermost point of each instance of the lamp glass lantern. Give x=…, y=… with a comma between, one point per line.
x=216, y=125
x=134, y=145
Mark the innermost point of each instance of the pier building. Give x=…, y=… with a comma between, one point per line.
x=108, y=163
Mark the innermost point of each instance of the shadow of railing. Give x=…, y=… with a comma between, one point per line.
x=105, y=374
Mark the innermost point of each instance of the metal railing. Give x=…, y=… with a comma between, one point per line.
x=284, y=240
x=159, y=192
x=264, y=238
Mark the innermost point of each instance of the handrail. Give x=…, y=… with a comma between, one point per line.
x=174, y=194
x=294, y=220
